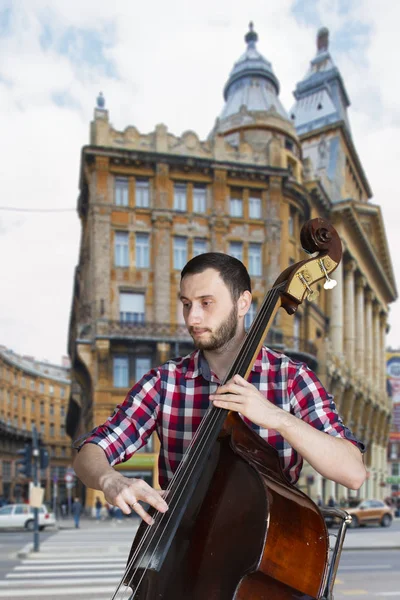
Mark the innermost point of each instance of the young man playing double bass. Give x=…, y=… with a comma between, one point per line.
x=283, y=400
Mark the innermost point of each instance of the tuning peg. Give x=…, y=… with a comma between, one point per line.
x=313, y=295
x=329, y=283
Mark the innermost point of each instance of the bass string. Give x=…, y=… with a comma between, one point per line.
x=190, y=460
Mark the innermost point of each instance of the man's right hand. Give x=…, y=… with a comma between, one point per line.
x=126, y=493
x=94, y=470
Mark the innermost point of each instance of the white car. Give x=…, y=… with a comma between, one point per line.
x=21, y=515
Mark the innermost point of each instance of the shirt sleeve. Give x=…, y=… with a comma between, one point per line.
x=132, y=422
x=312, y=403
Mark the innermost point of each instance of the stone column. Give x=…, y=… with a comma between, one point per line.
x=383, y=324
x=337, y=312
x=349, y=313
x=369, y=336
x=360, y=284
x=376, y=348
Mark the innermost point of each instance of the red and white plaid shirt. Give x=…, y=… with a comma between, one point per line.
x=173, y=398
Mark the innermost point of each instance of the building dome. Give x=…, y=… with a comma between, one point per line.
x=251, y=94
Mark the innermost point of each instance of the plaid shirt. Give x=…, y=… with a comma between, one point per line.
x=172, y=400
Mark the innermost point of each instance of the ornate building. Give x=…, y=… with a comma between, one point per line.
x=149, y=202
x=32, y=393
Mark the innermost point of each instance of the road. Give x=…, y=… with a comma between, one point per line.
x=88, y=563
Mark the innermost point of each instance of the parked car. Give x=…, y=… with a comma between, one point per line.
x=371, y=511
x=21, y=515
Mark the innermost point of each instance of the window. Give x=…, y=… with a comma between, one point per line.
x=142, y=366
x=131, y=307
x=41, y=387
x=15, y=401
x=62, y=411
x=254, y=207
x=121, y=249
x=41, y=408
x=51, y=389
x=250, y=315
x=62, y=392
x=32, y=384
x=121, y=371
x=142, y=189
x=62, y=431
x=255, y=267
x=180, y=252
x=42, y=428
x=236, y=207
x=23, y=404
x=6, y=470
x=236, y=250
x=199, y=246
x=180, y=196
x=142, y=250
x=23, y=382
x=51, y=430
x=51, y=409
x=199, y=199
x=291, y=222
x=121, y=191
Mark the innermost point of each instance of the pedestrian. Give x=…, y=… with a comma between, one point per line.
x=282, y=400
x=331, y=502
x=319, y=500
x=98, y=506
x=76, y=510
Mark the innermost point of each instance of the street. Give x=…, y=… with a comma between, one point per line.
x=89, y=562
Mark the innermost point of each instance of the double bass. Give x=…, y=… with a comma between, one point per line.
x=236, y=528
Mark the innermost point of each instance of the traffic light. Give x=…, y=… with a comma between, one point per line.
x=24, y=464
x=44, y=458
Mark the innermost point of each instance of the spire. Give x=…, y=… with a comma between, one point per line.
x=251, y=64
x=251, y=37
x=323, y=40
x=100, y=100
x=321, y=96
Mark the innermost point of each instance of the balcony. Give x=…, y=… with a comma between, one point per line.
x=159, y=332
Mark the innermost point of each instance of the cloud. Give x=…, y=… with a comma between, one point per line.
x=155, y=62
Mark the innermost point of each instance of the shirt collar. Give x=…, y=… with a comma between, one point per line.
x=198, y=365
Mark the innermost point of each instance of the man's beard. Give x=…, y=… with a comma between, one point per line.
x=225, y=332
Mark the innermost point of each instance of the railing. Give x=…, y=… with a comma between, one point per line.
x=143, y=331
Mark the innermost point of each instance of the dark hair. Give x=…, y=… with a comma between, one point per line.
x=231, y=270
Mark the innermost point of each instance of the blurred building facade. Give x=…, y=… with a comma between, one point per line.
x=32, y=393
x=150, y=202
x=393, y=455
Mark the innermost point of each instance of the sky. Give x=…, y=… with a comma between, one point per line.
x=157, y=62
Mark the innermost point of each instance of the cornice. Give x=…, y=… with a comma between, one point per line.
x=347, y=209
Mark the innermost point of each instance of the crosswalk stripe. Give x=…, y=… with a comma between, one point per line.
x=44, y=582
x=71, y=561
x=102, y=593
x=66, y=567
x=88, y=564
x=42, y=574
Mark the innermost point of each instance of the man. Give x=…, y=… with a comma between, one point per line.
x=76, y=510
x=283, y=400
